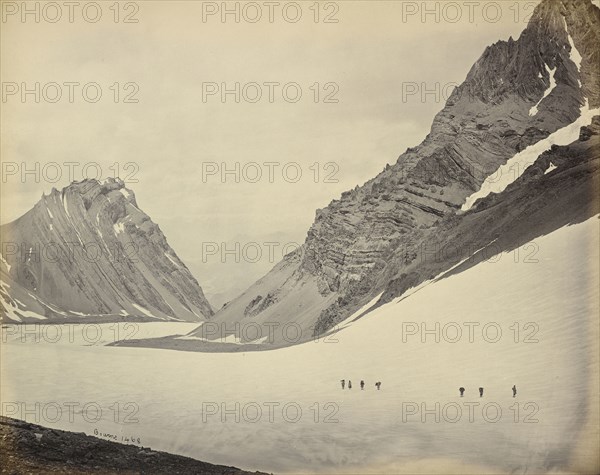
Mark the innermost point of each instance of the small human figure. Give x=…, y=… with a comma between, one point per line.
x=480, y=392
x=378, y=384
x=462, y=391
x=343, y=383
x=362, y=385
x=349, y=384
x=514, y=388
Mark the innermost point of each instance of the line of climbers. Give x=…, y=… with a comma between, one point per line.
x=362, y=384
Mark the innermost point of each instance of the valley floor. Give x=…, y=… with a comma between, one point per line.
x=528, y=318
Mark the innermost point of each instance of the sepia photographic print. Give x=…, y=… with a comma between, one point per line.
x=300, y=237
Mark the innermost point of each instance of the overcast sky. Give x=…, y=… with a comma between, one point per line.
x=376, y=50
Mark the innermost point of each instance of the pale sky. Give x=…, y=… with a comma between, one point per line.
x=170, y=132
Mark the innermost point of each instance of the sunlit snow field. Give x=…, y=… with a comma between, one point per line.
x=554, y=303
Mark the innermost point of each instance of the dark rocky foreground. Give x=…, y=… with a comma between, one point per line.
x=32, y=449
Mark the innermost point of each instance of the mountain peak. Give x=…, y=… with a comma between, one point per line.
x=91, y=190
x=114, y=260
x=516, y=94
x=103, y=186
x=558, y=45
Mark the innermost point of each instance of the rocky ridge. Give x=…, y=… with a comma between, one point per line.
x=518, y=93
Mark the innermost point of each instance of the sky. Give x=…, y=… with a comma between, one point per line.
x=321, y=97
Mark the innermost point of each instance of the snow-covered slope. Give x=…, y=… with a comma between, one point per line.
x=547, y=312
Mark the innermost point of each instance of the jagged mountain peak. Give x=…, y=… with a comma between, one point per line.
x=557, y=32
x=91, y=188
x=106, y=184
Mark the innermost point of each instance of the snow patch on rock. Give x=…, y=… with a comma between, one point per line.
x=516, y=166
x=550, y=168
x=65, y=205
x=534, y=110
x=171, y=259
x=12, y=308
x=143, y=310
x=8, y=266
x=126, y=193
x=119, y=228
x=574, y=55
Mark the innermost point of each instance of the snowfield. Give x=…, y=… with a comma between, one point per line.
x=528, y=319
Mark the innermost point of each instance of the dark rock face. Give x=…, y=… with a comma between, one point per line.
x=259, y=304
x=558, y=189
x=30, y=448
x=485, y=121
x=372, y=234
x=89, y=249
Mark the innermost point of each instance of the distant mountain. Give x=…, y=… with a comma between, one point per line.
x=89, y=253
x=520, y=99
